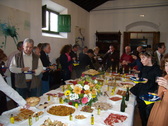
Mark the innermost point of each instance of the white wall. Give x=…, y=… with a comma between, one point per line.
x=117, y=20
x=112, y=20
x=79, y=17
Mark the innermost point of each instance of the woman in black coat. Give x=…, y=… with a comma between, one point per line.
x=149, y=72
x=66, y=62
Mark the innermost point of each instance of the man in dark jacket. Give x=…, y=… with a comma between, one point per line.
x=111, y=58
x=85, y=62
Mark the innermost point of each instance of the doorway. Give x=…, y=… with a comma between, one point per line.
x=144, y=39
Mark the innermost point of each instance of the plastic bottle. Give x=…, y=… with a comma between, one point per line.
x=12, y=120
x=92, y=120
x=76, y=105
x=48, y=97
x=98, y=110
x=37, y=117
x=61, y=101
x=30, y=120
x=70, y=117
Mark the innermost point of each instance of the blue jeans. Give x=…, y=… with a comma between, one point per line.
x=27, y=92
x=45, y=87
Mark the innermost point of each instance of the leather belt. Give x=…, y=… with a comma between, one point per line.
x=28, y=80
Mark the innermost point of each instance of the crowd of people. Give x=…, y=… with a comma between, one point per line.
x=30, y=68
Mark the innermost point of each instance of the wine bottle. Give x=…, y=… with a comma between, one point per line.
x=127, y=94
x=122, y=107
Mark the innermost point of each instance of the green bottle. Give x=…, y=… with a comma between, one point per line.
x=127, y=94
x=122, y=107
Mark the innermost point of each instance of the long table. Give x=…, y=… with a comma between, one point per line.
x=99, y=119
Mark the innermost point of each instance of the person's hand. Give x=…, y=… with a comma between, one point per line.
x=135, y=71
x=73, y=58
x=25, y=69
x=112, y=60
x=124, y=62
x=52, y=67
x=145, y=80
x=162, y=82
x=108, y=51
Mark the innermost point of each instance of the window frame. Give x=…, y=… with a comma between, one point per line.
x=49, y=31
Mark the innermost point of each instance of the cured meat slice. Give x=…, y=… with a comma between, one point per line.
x=114, y=118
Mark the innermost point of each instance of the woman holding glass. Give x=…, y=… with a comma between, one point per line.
x=149, y=72
x=158, y=115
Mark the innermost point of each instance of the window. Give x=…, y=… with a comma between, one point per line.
x=51, y=22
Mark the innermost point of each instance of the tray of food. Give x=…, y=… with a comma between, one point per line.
x=91, y=72
x=116, y=98
x=60, y=110
x=115, y=118
x=102, y=105
x=53, y=121
x=121, y=92
x=20, y=115
x=124, y=85
x=87, y=108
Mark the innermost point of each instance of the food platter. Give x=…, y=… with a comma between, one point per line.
x=60, y=110
x=53, y=118
x=115, y=98
x=102, y=105
x=16, y=113
x=91, y=72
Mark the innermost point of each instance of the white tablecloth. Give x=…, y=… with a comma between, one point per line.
x=99, y=119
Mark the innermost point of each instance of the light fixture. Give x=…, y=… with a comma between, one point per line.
x=142, y=15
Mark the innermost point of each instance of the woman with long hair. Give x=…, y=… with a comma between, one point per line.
x=149, y=72
x=158, y=115
x=66, y=62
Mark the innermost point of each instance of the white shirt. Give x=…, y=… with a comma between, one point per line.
x=10, y=92
x=27, y=59
x=10, y=57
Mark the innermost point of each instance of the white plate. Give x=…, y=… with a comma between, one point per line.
x=104, y=115
x=6, y=115
x=115, y=96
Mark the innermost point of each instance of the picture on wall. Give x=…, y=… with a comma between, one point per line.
x=14, y=27
x=80, y=36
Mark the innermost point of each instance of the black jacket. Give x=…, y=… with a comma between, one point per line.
x=64, y=62
x=150, y=73
x=46, y=62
